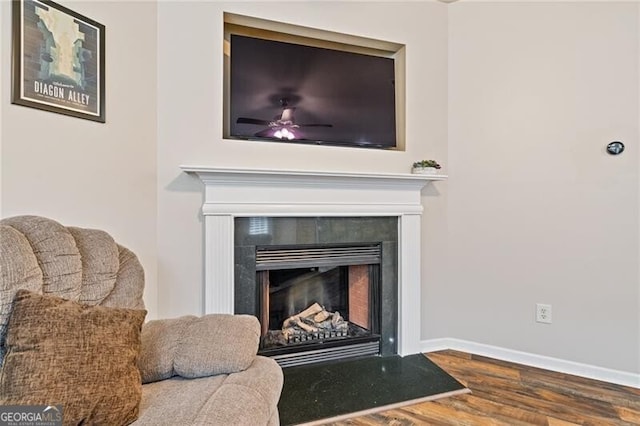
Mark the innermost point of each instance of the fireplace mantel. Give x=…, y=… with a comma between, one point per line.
x=279, y=174
x=234, y=192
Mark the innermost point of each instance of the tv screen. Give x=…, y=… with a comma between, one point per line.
x=301, y=94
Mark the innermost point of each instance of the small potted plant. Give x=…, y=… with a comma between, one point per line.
x=426, y=167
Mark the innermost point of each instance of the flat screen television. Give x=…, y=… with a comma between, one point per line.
x=293, y=93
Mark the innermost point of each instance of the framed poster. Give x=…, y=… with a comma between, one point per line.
x=58, y=60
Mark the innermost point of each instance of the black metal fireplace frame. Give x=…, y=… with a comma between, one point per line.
x=319, y=255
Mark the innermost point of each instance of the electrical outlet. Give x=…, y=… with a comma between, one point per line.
x=543, y=313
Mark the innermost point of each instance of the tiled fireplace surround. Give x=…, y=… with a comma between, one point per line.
x=231, y=193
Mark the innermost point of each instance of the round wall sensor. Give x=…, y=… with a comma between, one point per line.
x=615, y=148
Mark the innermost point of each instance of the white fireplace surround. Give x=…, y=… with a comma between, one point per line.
x=235, y=192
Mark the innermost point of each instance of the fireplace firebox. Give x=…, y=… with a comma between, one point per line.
x=319, y=302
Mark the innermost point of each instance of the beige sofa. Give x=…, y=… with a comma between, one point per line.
x=195, y=370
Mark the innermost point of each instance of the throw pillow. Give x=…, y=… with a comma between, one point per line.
x=61, y=352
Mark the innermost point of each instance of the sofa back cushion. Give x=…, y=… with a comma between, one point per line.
x=83, y=265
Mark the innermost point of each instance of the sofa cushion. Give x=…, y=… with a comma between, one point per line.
x=198, y=346
x=99, y=257
x=18, y=270
x=57, y=254
x=61, y=352
x=246, y=398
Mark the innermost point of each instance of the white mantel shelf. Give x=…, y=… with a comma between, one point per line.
x=277, y=174
x=244, y=192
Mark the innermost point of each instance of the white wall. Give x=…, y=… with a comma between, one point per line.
x=190, y=115
x=83, y=173
x=537, y=211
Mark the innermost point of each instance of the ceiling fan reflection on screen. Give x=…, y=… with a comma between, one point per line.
x=282, y=127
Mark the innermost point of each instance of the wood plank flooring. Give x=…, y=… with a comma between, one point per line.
x=508, y=394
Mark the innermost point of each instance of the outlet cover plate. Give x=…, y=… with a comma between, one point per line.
x=543, y=313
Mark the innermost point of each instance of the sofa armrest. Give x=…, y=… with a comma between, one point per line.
x=198, y=346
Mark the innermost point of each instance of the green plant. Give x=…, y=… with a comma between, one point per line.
x=427, y=163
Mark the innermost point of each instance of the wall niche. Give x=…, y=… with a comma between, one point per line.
x=292, y=84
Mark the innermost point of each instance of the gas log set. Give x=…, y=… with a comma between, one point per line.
x=314, y=323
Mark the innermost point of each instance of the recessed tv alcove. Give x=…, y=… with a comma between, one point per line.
x=292, y=84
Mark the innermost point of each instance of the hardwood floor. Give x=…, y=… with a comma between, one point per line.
x=504, y=393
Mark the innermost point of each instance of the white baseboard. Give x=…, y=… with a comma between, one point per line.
x=548, y=363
